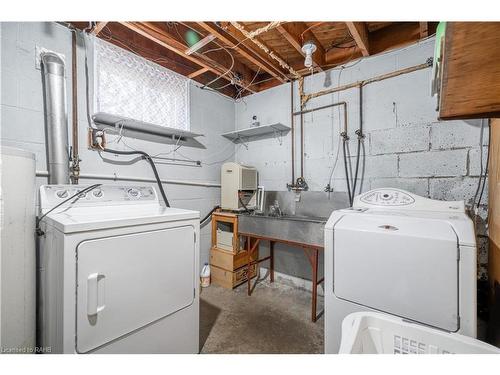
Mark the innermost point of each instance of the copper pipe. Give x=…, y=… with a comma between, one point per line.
x=306, y=97
x=302, y=112
x=293, y=132
x=301, y=142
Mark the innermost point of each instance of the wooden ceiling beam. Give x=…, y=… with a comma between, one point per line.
x=197, y=73
x=336, y=57
x=243, y=40
x=359, y=33
x=249, y=54
x=424, y=29
x=394, y=36
x=161, y=37
x=296, y=33
x=98, y=28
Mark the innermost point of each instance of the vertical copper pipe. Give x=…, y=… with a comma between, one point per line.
x=74, y=88
x=293, y=132
x=301, y=143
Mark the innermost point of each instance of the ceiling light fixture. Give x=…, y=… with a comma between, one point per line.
x=308, y=48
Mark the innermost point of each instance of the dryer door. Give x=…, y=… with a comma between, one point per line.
x=404, y=266
x=129, y=281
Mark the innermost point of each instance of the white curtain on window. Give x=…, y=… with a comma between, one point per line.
x=131, y=86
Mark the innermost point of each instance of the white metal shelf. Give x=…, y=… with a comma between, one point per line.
x=144, y=130
x=243, y=135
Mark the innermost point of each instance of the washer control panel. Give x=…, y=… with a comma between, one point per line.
x=387, y=197
x=51, y=195
x=397, y=199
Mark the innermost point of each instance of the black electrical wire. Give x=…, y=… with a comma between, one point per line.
x=357, y=169
x=209, y=215
x=480, y=165
x=76, y=195
x=487, y=163
x=243, y=204
x=360, y=135
x=151, y=163
x=347, y=172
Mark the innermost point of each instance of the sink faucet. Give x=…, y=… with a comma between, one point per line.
x=275, y=209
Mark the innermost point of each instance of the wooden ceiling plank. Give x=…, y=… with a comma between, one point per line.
x=359, y=32
x=98, y=28
x=293, y=32
x=243, y=50
x=159, y=36
x=197, y=73
x=251, y=45
x=394, y=36
x=424, y=29
x=336, y=57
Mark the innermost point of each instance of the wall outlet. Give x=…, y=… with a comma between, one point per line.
x=38, y=56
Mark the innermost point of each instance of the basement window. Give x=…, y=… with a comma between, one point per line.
x=128, y=85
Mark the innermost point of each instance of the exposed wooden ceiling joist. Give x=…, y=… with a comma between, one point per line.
x=98, y=28
x=158, y=35
x=249, y=54
x=197, y=73
x=241, y=38
x=359, y=33
x=273, y=58
x=296, y=33
x=394, y=36
x=341, y=56
x=424, y=29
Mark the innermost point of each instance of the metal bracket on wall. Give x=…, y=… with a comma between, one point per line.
x=240, y=140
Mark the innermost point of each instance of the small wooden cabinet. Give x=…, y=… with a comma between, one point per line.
x=470, y=71
x=228, y=258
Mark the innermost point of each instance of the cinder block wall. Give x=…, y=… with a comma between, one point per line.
x=22, y=121
x=405, y=146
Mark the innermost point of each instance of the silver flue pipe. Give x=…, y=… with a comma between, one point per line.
x=56, y=118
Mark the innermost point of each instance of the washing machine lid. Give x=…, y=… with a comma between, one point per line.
x=79, y=219
x=406, y=266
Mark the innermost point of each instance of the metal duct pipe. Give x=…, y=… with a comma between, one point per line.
x=56, y=118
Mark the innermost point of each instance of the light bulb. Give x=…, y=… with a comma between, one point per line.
x=308, y=48
x=308, y=61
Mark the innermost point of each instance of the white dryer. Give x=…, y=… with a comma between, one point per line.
x=118, y=272
x=402, y=254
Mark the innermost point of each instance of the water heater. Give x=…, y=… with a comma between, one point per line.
x=238, y=187
x=17, y=256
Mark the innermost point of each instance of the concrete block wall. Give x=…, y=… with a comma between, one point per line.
x=405, y=145
x=22, y=121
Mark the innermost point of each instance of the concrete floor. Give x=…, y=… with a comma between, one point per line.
x=275, y=319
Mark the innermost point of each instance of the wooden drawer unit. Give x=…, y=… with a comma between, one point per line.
x=231, y=279
x=229, y=261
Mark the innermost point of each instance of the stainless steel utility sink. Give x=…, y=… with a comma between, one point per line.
x=298, y=221
x=303, y=230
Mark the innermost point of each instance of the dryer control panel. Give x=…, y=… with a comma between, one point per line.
x=51, y=195
x=391, y=198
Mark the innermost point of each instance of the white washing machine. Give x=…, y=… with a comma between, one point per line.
x=402, y=254
x=118, y=272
